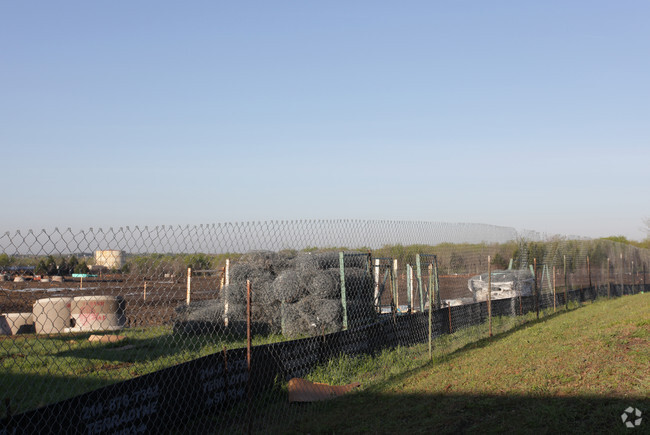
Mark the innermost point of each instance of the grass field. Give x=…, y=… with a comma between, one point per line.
x=38, y=370
x=571, y=372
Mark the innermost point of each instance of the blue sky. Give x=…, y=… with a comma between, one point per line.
x=526, y=114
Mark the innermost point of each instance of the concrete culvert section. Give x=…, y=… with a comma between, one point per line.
x=52, y=315
x=97, y=313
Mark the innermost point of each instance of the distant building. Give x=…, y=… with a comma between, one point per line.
x=109, y=259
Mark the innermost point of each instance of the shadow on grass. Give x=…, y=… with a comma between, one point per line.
x=368, y=412
x=39, y=390
x=134, y=349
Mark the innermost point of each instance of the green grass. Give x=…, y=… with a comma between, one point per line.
x=571, y=372
x=576, y=370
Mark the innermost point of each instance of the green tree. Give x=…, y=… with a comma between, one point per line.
x=5, y=260
x=41, y=268
x=50, y=265
x=72, y=264
x=499, y=262
x=457, y=263
x=199, y=262
x=126, y=268
x=63, y=267
x=618, y=239
x=81, y=267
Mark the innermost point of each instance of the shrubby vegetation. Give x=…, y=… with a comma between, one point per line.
x=461, y=258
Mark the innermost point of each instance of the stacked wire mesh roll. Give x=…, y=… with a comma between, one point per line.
x=293, y=294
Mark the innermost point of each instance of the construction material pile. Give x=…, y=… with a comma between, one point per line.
x=505, y=284
x=296, y=294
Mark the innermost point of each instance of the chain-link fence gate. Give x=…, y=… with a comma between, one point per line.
x=228, y=327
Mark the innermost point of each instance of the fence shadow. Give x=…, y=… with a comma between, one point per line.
x=470, y=413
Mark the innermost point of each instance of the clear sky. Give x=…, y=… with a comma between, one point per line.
x=531, y=114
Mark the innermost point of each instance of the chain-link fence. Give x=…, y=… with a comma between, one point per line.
x=231, y=327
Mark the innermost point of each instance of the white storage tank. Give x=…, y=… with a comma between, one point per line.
x=52, y=315
x=97, y=313
x=110, y=259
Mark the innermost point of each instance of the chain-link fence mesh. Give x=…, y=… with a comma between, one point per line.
x=233, y=326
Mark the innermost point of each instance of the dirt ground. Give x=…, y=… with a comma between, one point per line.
x=163, y=295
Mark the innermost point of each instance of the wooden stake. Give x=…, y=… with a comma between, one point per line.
x=344, y=301
x=189, y=284
x=144, y=294
x=535, y=286
x=248, y=353
x=609, y=282
x=81, y=283
x=622, y=276
x=489, y=301
x=227, y=272
x=248, y=326
x=566, y=298
x=554, y=294
x=393, y=306
x=430, y=314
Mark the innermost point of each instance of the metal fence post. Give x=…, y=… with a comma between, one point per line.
x=535, y=286
x=248, y=351
x=343, y=297
x=409, y=287
x=430, y=317
x=436, y=283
